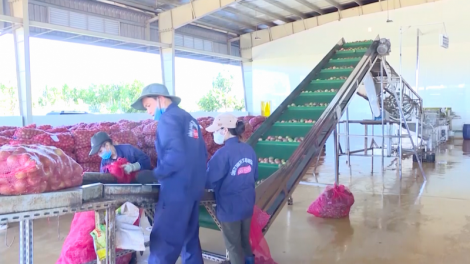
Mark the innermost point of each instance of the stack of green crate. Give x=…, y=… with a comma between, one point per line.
x=300, y=117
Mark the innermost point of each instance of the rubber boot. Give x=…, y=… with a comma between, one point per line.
x=250, y=260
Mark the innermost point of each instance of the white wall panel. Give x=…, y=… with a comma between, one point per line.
x=279, y=66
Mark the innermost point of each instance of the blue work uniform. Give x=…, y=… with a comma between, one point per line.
x=231, y=173
x=131, y=153
x=181, y=171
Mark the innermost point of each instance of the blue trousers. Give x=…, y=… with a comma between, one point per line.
x=175, y=231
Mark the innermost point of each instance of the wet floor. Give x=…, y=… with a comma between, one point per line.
x=392, y=221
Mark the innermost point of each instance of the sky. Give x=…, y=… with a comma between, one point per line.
x=54, y=63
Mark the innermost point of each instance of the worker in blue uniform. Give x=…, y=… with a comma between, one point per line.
x=102, y=145
x=181, y=171
x=231, y=173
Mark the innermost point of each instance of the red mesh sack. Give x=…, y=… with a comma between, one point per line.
x=78, y=247
x=258, y=243
x=82, y=137
x=149, y=141
x=126, y=125
x=3, y=128
x=8, y=133
x=63, y=141
x=124, y=137
x=150, y=128
x=137, y=130
x=91, y=166
x=27, y=169
x=334, y=202
x=83, y=156
x=209, y=140
x=256, y=127
x=30, y=126
x=257, y=120
x=45, y=127
x=57, y=130
x=27, y=133
x=117, y=171
x=70, y=154
x=4, y=141
x=16, y=142
x=246, y=119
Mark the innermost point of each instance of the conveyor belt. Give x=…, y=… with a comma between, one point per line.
x=329, y=85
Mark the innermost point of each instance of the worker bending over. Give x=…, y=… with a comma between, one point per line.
x=181, y=171
x=231, y=173
x=102, y=145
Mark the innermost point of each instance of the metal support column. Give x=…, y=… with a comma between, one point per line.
x=247, y=72
x=417, y=81
x=2, y=12
x=382, y=114
x=26, y=242
x=347, y=137
x=167, y=55
x=19, y=9
x=108, y=217
x=336, y=147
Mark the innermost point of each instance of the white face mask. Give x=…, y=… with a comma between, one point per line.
x=219, y=138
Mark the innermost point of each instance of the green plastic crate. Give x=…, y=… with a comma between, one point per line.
x=305, y=98
x=279, y=150
x=363, y=44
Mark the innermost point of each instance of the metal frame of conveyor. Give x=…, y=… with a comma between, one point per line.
x=387, y=79
x=273, y=193
x=104, y=199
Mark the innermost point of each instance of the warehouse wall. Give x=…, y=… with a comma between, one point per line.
x=279, y=66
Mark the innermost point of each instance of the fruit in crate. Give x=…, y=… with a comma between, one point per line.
x=346, y=49
x=333, y=78
x=326, y=91
x=359, y=41
x=312, y=104
x=272, y=160
x=340, y=67
x=306, y=121
x=282, y=139
x=346, y=58
x=322, y=91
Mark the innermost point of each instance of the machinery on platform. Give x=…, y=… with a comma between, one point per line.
x=312, y=112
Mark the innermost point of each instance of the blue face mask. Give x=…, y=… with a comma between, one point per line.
x=158, y=112
x=106, y=155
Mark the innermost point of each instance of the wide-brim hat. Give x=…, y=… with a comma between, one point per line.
x=97, y=141
x=154, y=90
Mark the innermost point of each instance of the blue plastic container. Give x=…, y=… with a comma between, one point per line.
x=466, y=131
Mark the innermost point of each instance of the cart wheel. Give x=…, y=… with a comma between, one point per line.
x=290, y=201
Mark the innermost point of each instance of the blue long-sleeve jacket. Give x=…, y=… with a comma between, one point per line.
x=182, y=156
x=131, y=153
x=232, y=173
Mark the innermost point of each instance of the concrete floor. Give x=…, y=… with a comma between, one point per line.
x=390, y=221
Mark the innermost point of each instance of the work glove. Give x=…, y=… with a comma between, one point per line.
x=131, y=167
x=145, y=177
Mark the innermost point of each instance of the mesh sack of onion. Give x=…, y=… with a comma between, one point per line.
x=28, y=169
x=334, y=202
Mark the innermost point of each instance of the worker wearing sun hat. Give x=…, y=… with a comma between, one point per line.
x=102, y=145
x=181, y=171
x=231, y=173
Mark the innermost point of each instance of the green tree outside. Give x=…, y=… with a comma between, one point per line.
x=220, y=96
x=112, y=98
x=8, y=100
